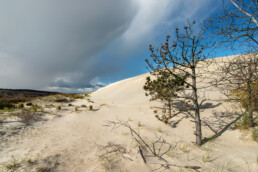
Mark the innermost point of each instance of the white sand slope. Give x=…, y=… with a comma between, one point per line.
x=71, y=142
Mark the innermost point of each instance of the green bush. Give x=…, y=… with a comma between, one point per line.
x=241, y=93
x=244, y=122
x=90, y=107
x=61, y=100
x=4, y=105
x=35, y=108
x=76, y=96
x=255, y=134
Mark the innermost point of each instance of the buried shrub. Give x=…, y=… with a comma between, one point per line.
x=111, y=154
x=28, y=117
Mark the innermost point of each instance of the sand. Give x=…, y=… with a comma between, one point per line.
x=72, y=140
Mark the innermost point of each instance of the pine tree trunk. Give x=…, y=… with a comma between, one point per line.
x=250, y=106
x=250, y=116
x=169, y=108
x=198, y=128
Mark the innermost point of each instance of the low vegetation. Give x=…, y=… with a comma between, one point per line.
x=255, y=134
x=241, y=94
x=74, y=96
x=243, y=123
x=58, y=108
x=110, y=155
x=48, y=164
x=20, y=105
x=6, y=105
x=28, y=117
x=10, y=96
x=90, y=101
x=13, y=165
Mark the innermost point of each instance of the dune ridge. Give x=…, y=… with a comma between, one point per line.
x=72, y=140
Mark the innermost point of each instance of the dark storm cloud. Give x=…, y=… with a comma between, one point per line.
x=67, y=45
x=43, y=40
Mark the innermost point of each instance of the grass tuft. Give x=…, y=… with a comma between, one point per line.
x=12, y=166
x=58, y=108
x=255, y=134
x=243, y=123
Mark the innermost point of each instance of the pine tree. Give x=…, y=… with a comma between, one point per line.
x=176, y=63
x=164, y=88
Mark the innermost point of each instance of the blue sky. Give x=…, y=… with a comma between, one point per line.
x=82, y=45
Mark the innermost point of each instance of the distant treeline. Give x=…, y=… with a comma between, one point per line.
x=8, y=97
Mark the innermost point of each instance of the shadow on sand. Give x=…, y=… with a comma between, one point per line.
x=218, y=122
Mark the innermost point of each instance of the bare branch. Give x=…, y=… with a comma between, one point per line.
x=246, y=13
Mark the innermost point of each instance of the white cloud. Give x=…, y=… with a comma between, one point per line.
x=149, y=14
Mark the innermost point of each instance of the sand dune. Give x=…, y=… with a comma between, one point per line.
x=71, y=140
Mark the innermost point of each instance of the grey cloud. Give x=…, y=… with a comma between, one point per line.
x=56, y=44
x=47, y=39
x=60, y=83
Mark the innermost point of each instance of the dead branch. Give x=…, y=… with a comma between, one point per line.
x=155, y=148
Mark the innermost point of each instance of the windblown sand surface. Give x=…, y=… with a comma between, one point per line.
x=72, y=140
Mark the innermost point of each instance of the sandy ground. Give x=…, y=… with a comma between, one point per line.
x=74, y=140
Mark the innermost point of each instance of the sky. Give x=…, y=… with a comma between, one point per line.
x=78, y=46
